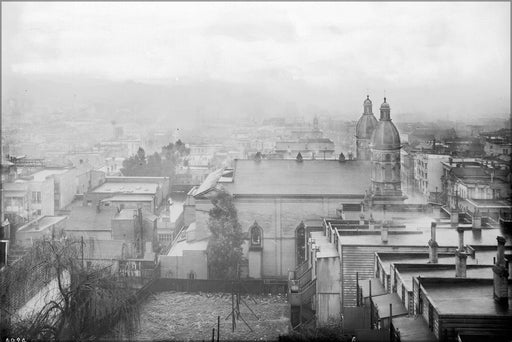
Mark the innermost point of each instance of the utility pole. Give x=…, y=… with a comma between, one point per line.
x=82, y=249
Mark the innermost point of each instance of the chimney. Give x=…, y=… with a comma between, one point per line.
x=432, y=245
x=361, y=215
x=189, y=211
x=460, y=256
x=501, y=274
x=477, y=220
x=454, y=213
x=436, y=210
x=384, y=233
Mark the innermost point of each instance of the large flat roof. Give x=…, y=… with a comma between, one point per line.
x=43, y=174
x=481, y=258
x=127, y=188
x=444, y=271
x=87, y=218
x=130, y=198
x=309, y=177
x=41, y=223
x=465, y=297
x=446, y=237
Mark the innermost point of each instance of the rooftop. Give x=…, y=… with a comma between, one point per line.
x=309, y=177
x=377, y=287
x=464, y=296
x=127, y=188
x=87, y=218
x=490, y=203
x=382, y=305
x=184, y=245
x=441, y=271
x=326, y=248
x=15, y=186
x=41, y=223
x=130, y=198
x=129, y=214
x=446, y=237
x=413, y=328
x=104, y=249
x=482, y=257
x=43, y=174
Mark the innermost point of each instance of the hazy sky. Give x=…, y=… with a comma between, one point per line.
x=431, y=48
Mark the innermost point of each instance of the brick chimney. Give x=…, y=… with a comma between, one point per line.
x=500, y=271
x=460, y=256
x=432, y=245
x=384, y=232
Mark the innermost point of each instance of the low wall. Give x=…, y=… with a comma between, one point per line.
x=213, y=285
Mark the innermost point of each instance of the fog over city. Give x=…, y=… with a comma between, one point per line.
x=443, y=60
x=256, y=171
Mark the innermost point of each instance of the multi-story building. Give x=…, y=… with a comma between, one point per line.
x=475, y=187
x=318, y=148
x=428, y=171
x=407, y=171
x=132, y=192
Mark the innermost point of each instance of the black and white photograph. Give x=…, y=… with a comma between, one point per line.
x=256, y=171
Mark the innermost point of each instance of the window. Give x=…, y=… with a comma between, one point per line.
x=255, y=233
x=36, y=197
x=191, y=275
x=300, y=243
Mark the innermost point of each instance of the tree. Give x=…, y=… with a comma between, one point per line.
x=161, y=164
x=224, y=249
x=86, y=304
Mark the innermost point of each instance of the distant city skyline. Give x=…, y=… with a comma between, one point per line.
x=442, y=59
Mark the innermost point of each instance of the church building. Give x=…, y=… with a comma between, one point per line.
x=280, y=201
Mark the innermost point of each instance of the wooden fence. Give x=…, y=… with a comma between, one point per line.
x=215, y=285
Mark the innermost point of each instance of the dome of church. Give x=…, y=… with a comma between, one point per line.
x=367, y=122
x=385, y=136
x=365, y=126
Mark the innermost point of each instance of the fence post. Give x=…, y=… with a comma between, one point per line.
x=390, y=322
x=357, y=288
x=371, y=302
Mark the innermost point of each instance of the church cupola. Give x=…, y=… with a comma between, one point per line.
x=367, y=104
x=385, y=111
x=364, y=130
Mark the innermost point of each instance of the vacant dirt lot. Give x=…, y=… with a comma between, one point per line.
x=192, y=316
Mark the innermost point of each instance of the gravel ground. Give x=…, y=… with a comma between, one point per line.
x=180, y=316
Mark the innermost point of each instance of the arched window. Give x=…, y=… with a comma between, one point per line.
x=255, y=233
x=300, y=243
